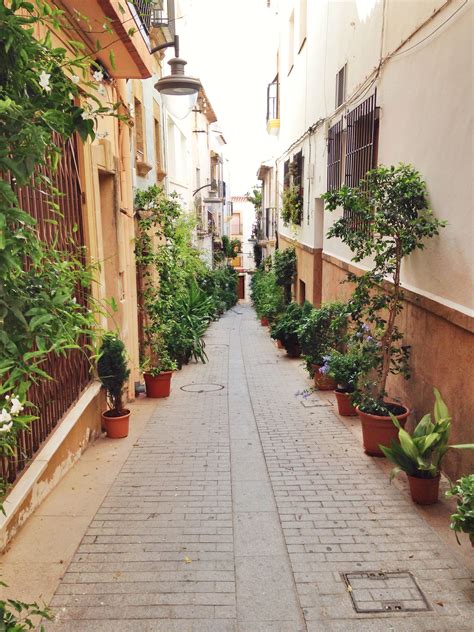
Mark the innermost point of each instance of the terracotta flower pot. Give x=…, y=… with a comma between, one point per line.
x=293, y=350
x=158, y=385
x=344, y=404
x=379, y=430
x=264, y=321
x=280, y=345
x=116, y=427
x=424, y=491
x=321, y=381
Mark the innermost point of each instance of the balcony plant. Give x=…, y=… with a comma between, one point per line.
x=324, y=329
x=345, y=369
x=462, y=521
x=284, y=265
x=385, y=218
x=420, y=454
x=292, y=205
x=285, y=328
x=113, y=372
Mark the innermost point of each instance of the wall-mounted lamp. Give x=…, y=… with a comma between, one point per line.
x=179, y=92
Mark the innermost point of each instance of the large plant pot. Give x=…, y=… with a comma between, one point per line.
x=264, y=321
x=321, y=381
x=344, y=404
x=424, y=491
x=379, y=430
x=158, y=385
x=116, y=427
x=280, y=345
x=294, y=351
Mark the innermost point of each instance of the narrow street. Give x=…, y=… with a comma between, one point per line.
x=239, y=508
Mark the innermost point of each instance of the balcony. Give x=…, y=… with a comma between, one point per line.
x=129, y=40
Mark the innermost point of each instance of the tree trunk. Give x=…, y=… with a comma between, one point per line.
x=387, y=337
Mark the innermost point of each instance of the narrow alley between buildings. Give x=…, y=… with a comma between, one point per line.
x=243, y=508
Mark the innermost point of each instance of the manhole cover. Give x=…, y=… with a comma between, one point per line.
x=385, y=592
x=202, y=388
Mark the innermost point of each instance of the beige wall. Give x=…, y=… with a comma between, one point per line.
x=308, y=266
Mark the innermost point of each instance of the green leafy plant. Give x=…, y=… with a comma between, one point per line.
x=113, y=371
x=420, y=454
x=286, y=326
x=255, y=197
x=18, y=616
x=267, y=296
x=231, y=247
x=284, y=266
x=324, y=329
x=345, y=368
x=386, y=218
x=462, y=521
x=292, y=205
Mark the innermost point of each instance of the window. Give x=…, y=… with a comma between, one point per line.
x=302, y=32
x=177, y=154
x=273, y=105
x=335, y=157
x=286, y=174
x=361, y=141
x=302, y=292
x=235, y=225
x=291, y=42
x=139, y=132
x=341, y=86
x=298, y=179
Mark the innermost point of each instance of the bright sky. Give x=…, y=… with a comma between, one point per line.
x=227, y=44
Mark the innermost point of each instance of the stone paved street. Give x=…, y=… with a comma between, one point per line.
x=239, y=508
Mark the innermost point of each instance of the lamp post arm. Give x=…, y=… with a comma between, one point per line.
x=174, y=43
x=203, y=187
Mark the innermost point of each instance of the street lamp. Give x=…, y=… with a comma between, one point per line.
x=179, y=92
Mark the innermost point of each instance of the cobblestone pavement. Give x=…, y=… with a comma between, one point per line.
x=240, y=508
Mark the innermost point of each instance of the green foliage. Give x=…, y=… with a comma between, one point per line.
x=267, y=296
x=345, y=368
x=284, y=266
x=18, y=616
x=231, y=247
x=257, y=255
x=255, y=197
x=221, y=285
x=286, y=326
x=462, y=521
x=421, y=453
x=385, y=218
x=292, y=205
x=324, y=329
x=113, y=371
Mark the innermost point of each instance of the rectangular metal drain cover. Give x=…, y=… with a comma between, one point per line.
x=385, y=592
x=315, y=403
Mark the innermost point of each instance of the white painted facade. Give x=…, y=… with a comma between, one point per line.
x=418, y=56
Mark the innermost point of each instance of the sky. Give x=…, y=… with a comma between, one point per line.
x=228, y=45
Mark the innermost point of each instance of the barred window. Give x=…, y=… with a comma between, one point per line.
x=335, y=162
x=361, y=141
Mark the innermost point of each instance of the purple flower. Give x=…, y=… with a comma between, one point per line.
x=324, y=369
x=365, y=327
x=370, y=339
x=326, y=358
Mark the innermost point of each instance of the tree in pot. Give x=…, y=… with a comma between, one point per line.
x=462, y=521
x=420, y=454
x=385, y=218
x=284, y=266
x=158, y=367
x=345, y=369
x=113, y=372
x=285, y=328
x=324, y=329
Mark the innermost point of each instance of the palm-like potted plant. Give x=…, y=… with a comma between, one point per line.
x=323, y=329
x=285, y=328
x=385, y=218
x=462, y=521
x=345, y=369
x=420, y=454
x=113, y=372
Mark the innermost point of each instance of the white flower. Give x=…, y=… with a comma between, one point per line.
x=87, y=115
x=98, y=75
x=16, y=406
x=44, y=81
x=6, y=427
x=75, y=79
x=5, y=417
x=102, y=91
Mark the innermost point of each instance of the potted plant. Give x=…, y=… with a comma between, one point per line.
x=267, y=296
x=420, y=454
x=285, y=328
x=158, y=369
x=385, y=218
x=113, y=372
x=463, y=519
x=323, y=329
x=292, y=205
x=345, y=368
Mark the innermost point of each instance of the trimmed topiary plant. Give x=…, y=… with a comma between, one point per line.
x=113, y=372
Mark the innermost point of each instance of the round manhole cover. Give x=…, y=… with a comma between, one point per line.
x=202, y=388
